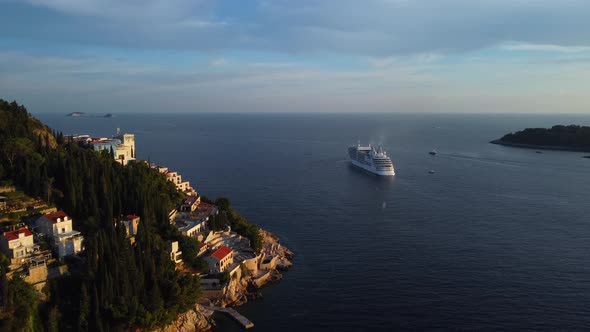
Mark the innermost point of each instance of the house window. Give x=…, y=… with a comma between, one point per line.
x=63, y=230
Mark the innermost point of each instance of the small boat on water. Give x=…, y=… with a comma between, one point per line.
x=538, y=151
x=431, y=171
x=433, y=153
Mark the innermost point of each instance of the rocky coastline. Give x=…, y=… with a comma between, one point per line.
x=198, y=319
x=247, y=286
x=540, y=147
x=273, y=260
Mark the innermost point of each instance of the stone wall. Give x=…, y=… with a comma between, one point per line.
x=252, y=263
x=268, y=265
x=262, y=279
x=36, y=274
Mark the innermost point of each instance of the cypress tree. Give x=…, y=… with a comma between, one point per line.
x=84, y=309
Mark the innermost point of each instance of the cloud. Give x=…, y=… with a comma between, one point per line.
x=377, y=28
x=218, y=62
x=130, y=10
x=408, y=84
x=545, y=48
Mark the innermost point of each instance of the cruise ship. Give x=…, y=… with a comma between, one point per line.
x=372, y=160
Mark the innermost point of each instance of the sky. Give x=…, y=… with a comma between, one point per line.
x=473, y=56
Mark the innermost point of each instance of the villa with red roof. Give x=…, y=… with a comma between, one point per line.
x=58, y=227
x=18, y=245
x=131, y=222
x=220, y=259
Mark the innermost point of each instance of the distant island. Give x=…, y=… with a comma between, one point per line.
x=560, y=137
x=83, y=114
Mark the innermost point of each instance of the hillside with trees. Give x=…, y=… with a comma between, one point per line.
x=115, y=286
x=572, y=137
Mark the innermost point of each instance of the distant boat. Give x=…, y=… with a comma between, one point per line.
x=433, y=153
x=538, y=151
x=431, y=171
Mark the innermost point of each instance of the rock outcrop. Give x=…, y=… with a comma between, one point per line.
x=196, y=320
x=244, y=287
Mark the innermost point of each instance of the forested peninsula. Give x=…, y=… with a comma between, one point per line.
x=113, y=284
x=559, y=137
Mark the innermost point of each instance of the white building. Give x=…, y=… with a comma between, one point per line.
x=126, y=151
x=131, y=222
x=123, y=147
x=58, y=227
x=18, y=245
x=220, y=259
x=176, y=178
x=175, y=253
x=191, y=227
x=190, y=204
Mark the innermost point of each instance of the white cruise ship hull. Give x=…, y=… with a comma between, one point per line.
x=372, y=169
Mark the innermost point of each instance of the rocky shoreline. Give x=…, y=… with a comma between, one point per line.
x=198, y=319
x=272, y=261
x=540, y=147
x=247, y=286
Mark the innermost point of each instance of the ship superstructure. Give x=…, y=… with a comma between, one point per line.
x=371, y=159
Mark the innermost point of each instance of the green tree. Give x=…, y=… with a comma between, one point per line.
x=84, y=309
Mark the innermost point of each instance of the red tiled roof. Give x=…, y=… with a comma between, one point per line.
x=131, y=217
x=201, y=245
x=54, y=215
x=222, y=252
x=14, y=234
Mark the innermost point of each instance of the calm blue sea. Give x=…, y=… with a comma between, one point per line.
x=497, y=239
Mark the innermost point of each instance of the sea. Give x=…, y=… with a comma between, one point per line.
x=497, y=238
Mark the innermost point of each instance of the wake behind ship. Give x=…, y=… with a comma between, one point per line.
x=371, y=160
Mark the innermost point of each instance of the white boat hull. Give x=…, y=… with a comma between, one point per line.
x=372, y=169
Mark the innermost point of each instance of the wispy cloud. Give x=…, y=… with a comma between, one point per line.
x=374, y=28
x=306, y=54
x=130, y=10
x=383, y=62
x=218, y=62
x=545, y=48
x=411, y=84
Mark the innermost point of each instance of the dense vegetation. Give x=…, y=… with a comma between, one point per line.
x=116, y=286
x=19, y=305
x=577, y=137
x=190, y=249
x=239, y=224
